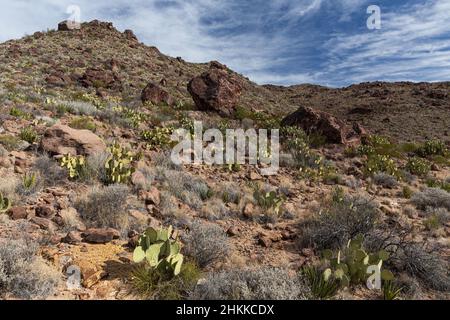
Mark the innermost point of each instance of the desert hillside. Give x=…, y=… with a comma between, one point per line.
x=88, y=190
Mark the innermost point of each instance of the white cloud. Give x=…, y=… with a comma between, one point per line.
x=267, y=42
x=412, y=44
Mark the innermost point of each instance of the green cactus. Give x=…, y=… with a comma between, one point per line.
x=160, y=250
x=268, y=200
x=119, y=166
x=74, y=165
x=157, y=137
x=350, y=265
x=5, y=203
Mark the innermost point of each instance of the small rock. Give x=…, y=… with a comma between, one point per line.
x=17, y=213
x=233, y=231
x=249, y=210
x=264, y=241
x=100, y=235
x=45, y=211
x=73, y=237
x=153, y=196
x=44, y=223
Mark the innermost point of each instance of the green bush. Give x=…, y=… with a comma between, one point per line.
x=10, y=142
x=153, y=284
x=84, y=123
x=18, y=113
x=377, y=163
x=29, y=135
x=418, y=166
x=322, y=286
x=432, y=148
x=157, y=137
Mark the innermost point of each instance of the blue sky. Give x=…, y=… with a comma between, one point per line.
x=285, y=42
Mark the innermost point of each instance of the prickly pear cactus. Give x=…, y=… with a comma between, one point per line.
x=119, y=166
x=159, y=250
x=350, y=265
x=74, y=165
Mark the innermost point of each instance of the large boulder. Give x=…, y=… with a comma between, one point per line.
x=61, y=139
x=156, y=95
x=215, y=90
x=333, y=129
x=100, y=78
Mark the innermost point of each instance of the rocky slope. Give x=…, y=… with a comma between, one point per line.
x=97, y=93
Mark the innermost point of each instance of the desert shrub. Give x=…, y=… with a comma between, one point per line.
x=23, y=273
x=29, y=135
x=340, y=221
x=19, y=113
x=214, y=209
x=425, y=265
x=84, y=123
x=163, y=160
x=153, y=284
x=433, y=147
x=206, y=243
x=189, y=189
x=431, y=197
x=270, y=201
x=418, y=166
x=105, y=207
x=436, y=183
x=407, y=192
x=49, y=170
x=81, y=108
x=264, y=283
x=418, y=259
x=29, y=184
x=385, y=180
x=436, y=218
x=95, y=167
x=230, y=193
x=377, y=163
x=321, y=287
x=10, y=142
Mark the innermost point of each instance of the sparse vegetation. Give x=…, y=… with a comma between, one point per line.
x=264, y=283
x=431, y=197
x=23, y=273
x=206, y=243
x=338, y=222
x=83, y=123
x=29, y=135
x=105, y=207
